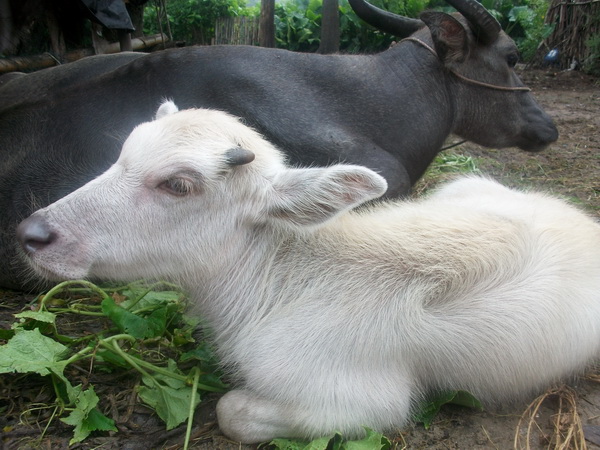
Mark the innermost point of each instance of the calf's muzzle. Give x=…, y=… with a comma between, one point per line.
x=34, y=233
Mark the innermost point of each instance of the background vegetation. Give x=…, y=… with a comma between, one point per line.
x=193, y=21
x=298, y=22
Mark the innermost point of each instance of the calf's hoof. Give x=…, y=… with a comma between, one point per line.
x=250, y=419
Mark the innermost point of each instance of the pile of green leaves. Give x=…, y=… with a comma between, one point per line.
x=139, y=319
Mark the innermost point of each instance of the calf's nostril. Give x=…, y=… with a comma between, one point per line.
x=34, y=233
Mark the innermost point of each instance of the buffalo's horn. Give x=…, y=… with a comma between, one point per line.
x=385, y=21
x=238, y=156
x=485, y=27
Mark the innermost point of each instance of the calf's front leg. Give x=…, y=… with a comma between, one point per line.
x=249, y=418
x=245, y=417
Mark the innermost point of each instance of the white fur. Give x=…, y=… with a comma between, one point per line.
x=331, y=318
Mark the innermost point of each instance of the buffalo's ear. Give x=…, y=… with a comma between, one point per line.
x=311, y=197
x=450, y=37
x=166, y=109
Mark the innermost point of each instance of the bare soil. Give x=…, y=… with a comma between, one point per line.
x=569, y=168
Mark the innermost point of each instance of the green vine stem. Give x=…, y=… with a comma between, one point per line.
x=144, y=366
x=60, y=287
x=188, y=431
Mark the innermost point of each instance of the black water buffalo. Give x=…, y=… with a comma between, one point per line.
x=391, y=111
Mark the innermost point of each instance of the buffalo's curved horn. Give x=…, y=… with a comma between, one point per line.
x=238, y=156
x=385, y=21
x=485, y=27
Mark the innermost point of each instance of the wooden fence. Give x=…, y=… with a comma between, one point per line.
x=236, y=31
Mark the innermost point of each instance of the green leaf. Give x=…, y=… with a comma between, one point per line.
x=171, y=405
x=287, y=444
x=40, y=316
x=521, y=14
x=464, y=398
x=31, y=351
x=85, y=417
x=336, y=442
x=432, y=407
x=202, y=352
x=372, y=441
x=139, y=327
x=5, y=335
x=293, y=444
x=169, y=397
x=99, y=422
x=183, y=336
x=140, y=297
x=213, y=380
x=112, y=358
x=43, y=320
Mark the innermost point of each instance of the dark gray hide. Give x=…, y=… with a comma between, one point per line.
x=391, y=111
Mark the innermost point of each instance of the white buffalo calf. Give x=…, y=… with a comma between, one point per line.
x=331, y=318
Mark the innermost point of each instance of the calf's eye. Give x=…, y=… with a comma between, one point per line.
x=178, y=186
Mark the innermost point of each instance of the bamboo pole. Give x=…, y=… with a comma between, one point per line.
x=36, y=62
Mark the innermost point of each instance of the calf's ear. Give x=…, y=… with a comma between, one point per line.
x=449, y=36
x=166, y=109
x=311, y=197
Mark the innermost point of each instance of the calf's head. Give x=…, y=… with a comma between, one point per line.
x=189, y=192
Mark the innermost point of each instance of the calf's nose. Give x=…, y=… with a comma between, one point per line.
x=34, y=233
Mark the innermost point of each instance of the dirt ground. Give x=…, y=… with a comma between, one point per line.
x=570, y=168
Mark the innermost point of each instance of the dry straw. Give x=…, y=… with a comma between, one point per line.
x=567, y=429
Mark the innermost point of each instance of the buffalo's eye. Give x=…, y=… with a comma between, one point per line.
x=512, y=59
x=178, y=186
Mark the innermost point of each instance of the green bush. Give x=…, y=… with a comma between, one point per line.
x=592, y=64
x=298, y=25
x=193, y=21
x=358, y=37
x=522, y=20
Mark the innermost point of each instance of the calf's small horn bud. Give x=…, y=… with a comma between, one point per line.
x=238, y=156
